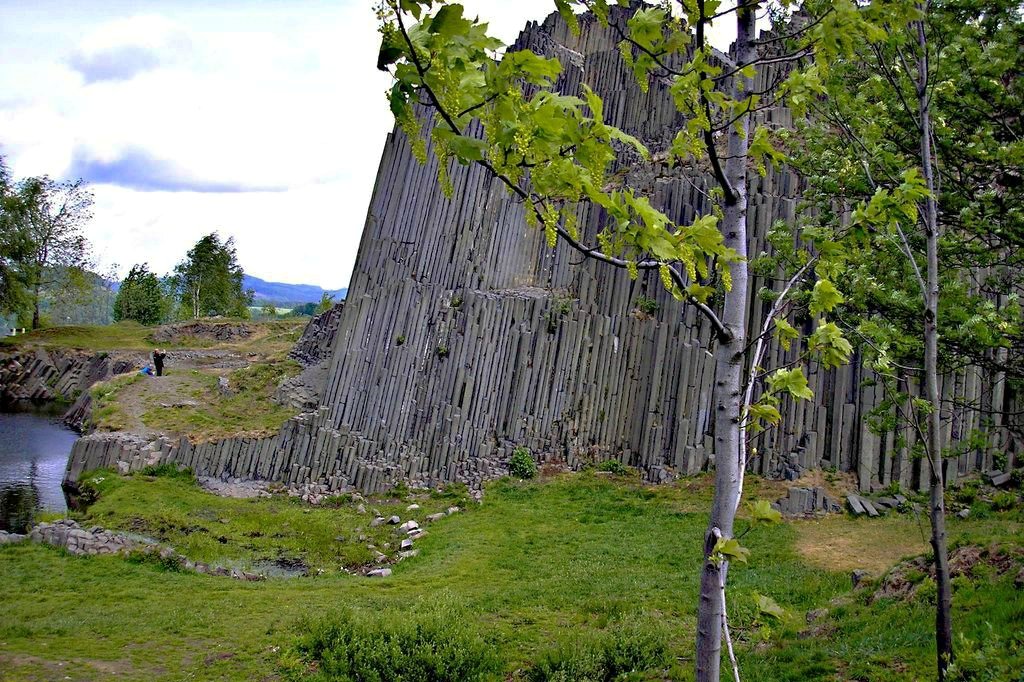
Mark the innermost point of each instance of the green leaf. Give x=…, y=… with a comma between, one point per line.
x=785, y=333
x=468, y=149
x=388, y=55
x=769, y=607
x=828, y=341
x=700, y=292
x=824, y=297
x=410, y=6
x=761, y=512
x=762, y=411
x=729, y=549
x=565, y=9
x=620, y=136
x=790, y=381
x=448, y=21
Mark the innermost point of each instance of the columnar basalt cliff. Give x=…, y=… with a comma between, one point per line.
x=464, y=336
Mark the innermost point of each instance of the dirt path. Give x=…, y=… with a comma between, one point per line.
x=179, y=388
x=189, y=376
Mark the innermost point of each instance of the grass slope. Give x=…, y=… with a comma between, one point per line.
x=536, y=568
x=273, y=335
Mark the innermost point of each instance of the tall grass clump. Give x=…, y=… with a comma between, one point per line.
x=630, y=647
x=521, y=464
x=436, y=647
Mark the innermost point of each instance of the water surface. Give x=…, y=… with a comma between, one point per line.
x=34, y=452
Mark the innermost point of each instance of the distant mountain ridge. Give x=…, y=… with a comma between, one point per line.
x=282, y=294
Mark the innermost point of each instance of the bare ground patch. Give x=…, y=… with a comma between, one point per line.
x=842, y=543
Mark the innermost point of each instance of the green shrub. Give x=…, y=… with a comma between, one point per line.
x=435, y=648
x=648, y=306
x=999, y=460
x=636, y=646
x=1017, y=478
x=172, y=563
x=1003, y=501
x=997, y=657
x=521, y=465
x=613, y=466
x=167, y=471
x=966, y=493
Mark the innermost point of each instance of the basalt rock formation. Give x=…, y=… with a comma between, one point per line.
x=463, y=336
x=35, y=377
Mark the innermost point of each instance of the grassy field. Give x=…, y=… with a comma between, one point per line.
x=187, y=399
x=134, y=336
x=561, y=579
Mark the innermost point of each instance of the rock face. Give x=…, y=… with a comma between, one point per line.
x=317, y=338
x=463, y=336
x=313, y=352
x=39, y=376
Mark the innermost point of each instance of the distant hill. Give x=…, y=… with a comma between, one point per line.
x=287, y=295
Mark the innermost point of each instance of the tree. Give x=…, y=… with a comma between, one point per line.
x=553, y=151
x=209, y=280
x=141, y=297
x=54, y=215
x=14, y=245
x=269, y=311
x=304, y=310
x=933, y=130
x=326, y=303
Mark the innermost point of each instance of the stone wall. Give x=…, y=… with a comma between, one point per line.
x=306, y=451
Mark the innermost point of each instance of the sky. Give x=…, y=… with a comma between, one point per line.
x=261, y=120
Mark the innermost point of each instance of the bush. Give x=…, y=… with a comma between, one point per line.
x=648, y=306
x=966, y=493
x=996, y=657
x=172, y=563
x=167, y=471
x=633, y=647
x=613, y=466
x=521, y=465
x=1003, y=501
x=435, y=648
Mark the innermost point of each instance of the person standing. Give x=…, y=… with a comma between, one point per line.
x=158, y=361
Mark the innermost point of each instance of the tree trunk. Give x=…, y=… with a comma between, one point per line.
x=35, y=305
x=728, y=375
x=937, y=505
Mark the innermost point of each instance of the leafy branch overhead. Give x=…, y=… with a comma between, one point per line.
x=459, y=95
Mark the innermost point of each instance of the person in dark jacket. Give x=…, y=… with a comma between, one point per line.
x=158, y=361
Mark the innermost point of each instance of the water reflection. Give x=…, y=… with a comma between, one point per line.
x=18, y=506
x=33, y=455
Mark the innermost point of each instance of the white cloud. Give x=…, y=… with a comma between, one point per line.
x=207, y=96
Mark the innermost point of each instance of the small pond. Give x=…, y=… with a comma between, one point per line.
x=34, y=450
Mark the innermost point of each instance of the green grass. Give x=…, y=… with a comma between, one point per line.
x=134, y=336
x=536, y=569
x=123, y=335
x=107, y=413
x=245, y=532
x=248, y=409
